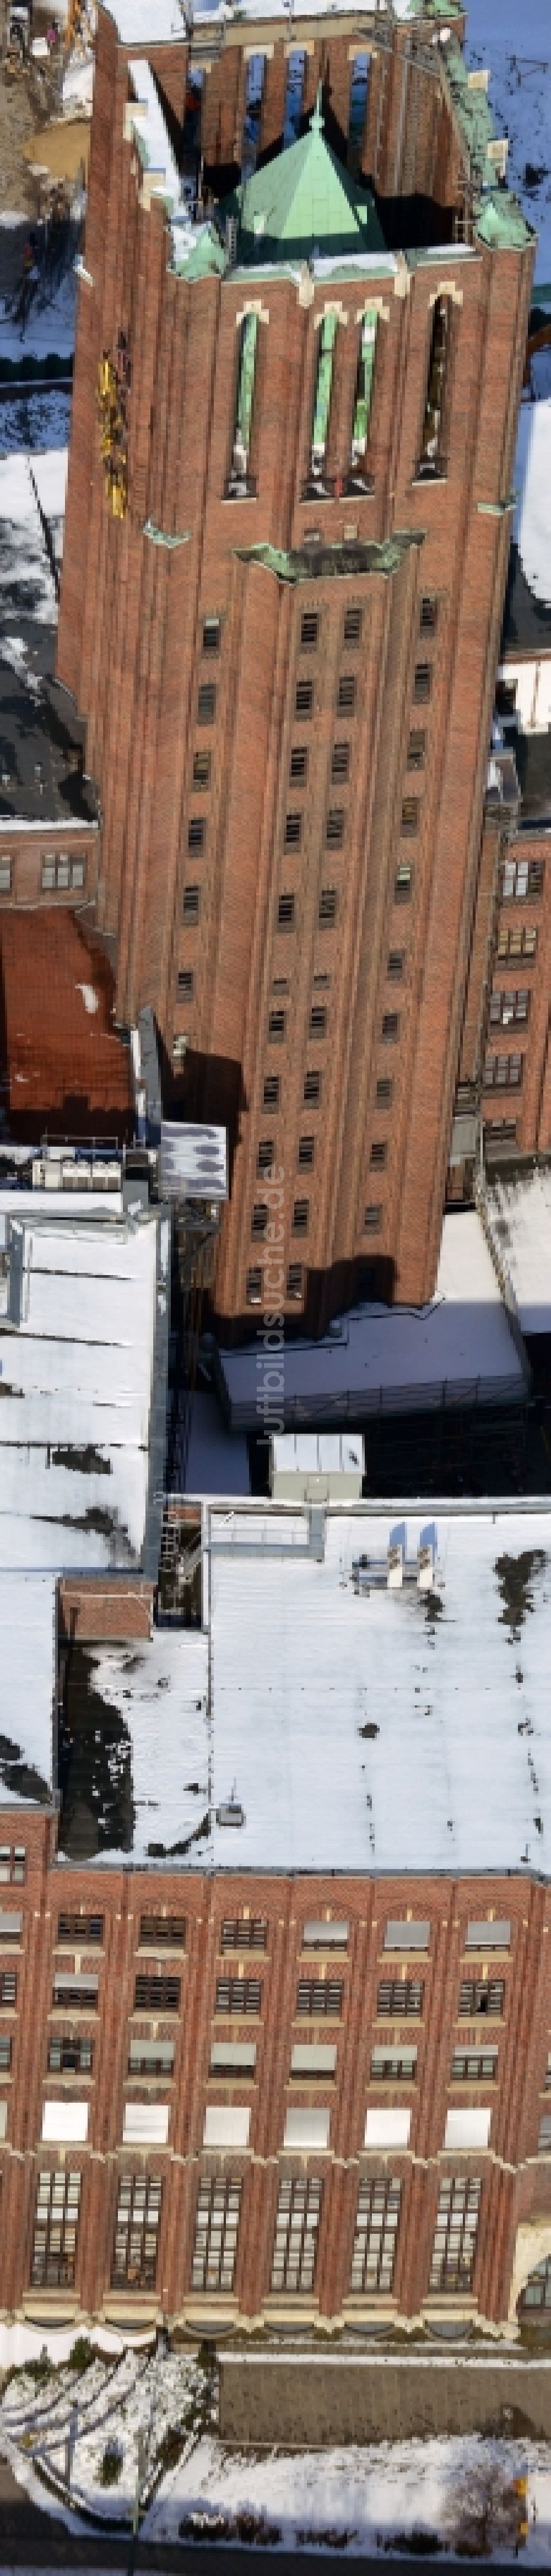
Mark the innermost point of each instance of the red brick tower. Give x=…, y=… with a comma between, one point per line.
x=286, y=546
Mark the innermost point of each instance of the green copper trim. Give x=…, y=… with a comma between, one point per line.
x=305, y=564
x=364, y=382
x=324, y=379
x=159, y=537
x=245, y=387
x=497, y=509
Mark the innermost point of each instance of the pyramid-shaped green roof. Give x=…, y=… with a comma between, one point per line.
x=304, y=201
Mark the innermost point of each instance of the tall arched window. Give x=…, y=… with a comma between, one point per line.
x=240, y=484
x=432, y=455
x=359, y=93
x=358, y=477
x=316, y=486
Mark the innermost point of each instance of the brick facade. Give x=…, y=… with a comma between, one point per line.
x=115, y=1946
x=191, y=875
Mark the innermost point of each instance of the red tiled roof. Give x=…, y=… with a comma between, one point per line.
x=64, y=1071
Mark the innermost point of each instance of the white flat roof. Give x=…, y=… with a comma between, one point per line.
x=354, y=1728
x=519, y=1210
x=393, y=1358
x=27, y=1627
x=76, y=1387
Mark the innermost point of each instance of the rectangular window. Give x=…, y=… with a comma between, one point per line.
x=544, y=2140
x=304, y=697
x=422, y=684
x=319, y=1999
x=201, y=760
x=353, y=626
x=13, y=1864
x=238, y=1995
x=253, y=1288
x=391, y=1026
x=410, y=814
x=157, y=1994
x=196, y=832
x=503, y=1072
x=265, y=1155
x=340, y=760
x=318, y=1020
x=395, y=965
x=474, y=2066
x=509, y=1006
x=259, y=1219
x=384, y=1091
x=397, y=1997
x=293, y=831
x=76, y=1993
x=69, y=2055
x=5, y=876
x=190, y=903
x=286, y=912
x=428, y=616
x=216, y=2233
x=373, y=1217
x=516, y=943
x=5, y=2052
x=309, y=630
x=206, y=708
x=347, y=693
x=162, y=1932
x=276, y=1025
x=11, y=1927
x=455, y=2234
x=312, y=1086
x=417, y=746
x=8, y=1989
x=323, y=1935
x=378, y=1155
x=488, y=1935
x=211, y=634
x=313, y=2063
x=137, y=2232
x=403, y=882
x=393, y=2065
x=301, y=1213
x=295, y=1281
x=233, y=2060
x=377, y=2215
x=186, y=982
x=305, y=1153
x=151, y=2057
x=327, y=912
x=405, y=1935
x=272, y=1091
x=246, y=1932
x=500, y=1131
x=334, y=827
x=519, y=878
x=80, y=1927
x=299, y=759
x=296, y=2235
x=55, y=2230
x=59, y=872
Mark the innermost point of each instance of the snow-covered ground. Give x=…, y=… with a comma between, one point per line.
x=35, y=421
x=518, y=55
x=119, y=2402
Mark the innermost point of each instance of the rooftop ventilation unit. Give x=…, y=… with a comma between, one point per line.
x=396, y=1556
x=426, y=1558
x=231, y=1811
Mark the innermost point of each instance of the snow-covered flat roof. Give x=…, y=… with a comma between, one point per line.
x=325, y=1718
x=391, y=1358
x=519, y=1211
x=381, y=1728
x=78, y=1338
x=27, y=1627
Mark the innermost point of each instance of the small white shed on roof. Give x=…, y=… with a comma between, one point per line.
x=317, y=1466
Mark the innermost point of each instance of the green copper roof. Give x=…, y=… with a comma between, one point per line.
x=303, y=201
x=207, y=257
x=500, y=222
